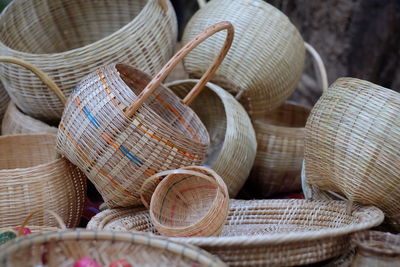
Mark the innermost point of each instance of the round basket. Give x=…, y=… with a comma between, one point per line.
x=376, y=249
x=120, y=127
x=266, y=232
x=70, y=39
x=266, y=60
x=4, y=99
x=352, y=143
x=16, y=122
x=104, y=248
x=32, y=176
x=230, y=130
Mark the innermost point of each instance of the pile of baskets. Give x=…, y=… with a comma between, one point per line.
x=82, y=97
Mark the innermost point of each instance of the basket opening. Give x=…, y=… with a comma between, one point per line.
x=55, y=26
x=24, y=151
x=288, y=115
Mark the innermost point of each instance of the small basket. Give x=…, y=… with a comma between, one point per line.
x=352, y=143
x=70, y=39
x=265, y=232
x=191, y=201
x=266, y=60
x=32, y=176
x=16, y=122
x=120, y=127
x=104, y=248
x=4, y=99
x=230, y=130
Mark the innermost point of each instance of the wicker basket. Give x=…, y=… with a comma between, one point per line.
x=266, y=232
x=352, y=143
x=4, y=99
x=32, y=176
x=70, y=39
x=105, y=248
x=230, y=129
x=266, y=59
x=280, y=139
x=377, y=249
x=117, y=147
x=16, y=122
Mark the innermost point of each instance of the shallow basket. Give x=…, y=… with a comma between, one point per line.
x=4, y=99
x=266, y=60
x=230, y=130
x=352, y=143
x=138, y=249
x=16, y=122
x=69, y=39
x=265, y=232
x=32, y=176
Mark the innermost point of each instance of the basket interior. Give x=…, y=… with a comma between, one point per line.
x=54, y=26
x=287, y=115
x=24, y=151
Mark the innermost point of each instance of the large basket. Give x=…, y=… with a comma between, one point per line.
x=70, y=39
x=16, y=122
x=118, y=147
x=230, y=130
x=105, y=248
x=4, y=99
x=266, y=60
x=33, y=176
x=266, y=232
x=352, y=143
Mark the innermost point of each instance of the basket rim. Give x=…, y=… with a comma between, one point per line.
x=361, y=240
x=77, y=50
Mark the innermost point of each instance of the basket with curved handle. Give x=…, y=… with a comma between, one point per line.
x=52, y=213
x=157, y=80
x=319, y=65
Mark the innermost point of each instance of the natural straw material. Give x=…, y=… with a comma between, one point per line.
x=266, y=60
x=352, y=143
x=70, y=39
x=4, y=99
x=16, y=122
x=230, y=129
x=137, y=249
x=121, y=127
x=32, y=176
x=266, y=232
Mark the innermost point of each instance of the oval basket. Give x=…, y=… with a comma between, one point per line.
x=352, y=143
x=32, y=176
x=16, y=122
x=70, y=39
x=4, y=99
x=230, y=130
x=137, y=249
x=265, y=232
x=266, y=60
x=121, y=127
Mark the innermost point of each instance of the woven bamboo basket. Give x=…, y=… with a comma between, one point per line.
x=352, y=143
x=16, y=122
x=4, y=99
x=265, y=232
x=32, y=176
x=280, y=139
x=80, y=247
x=190, y=201
x=70, y=39
x=376, y=249
x=230, y=130
x=266, y=60
x=120, y=127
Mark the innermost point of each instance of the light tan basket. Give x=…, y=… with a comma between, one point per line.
x=352, y=143
x=120, y=127
x=191, y=201
x=266, y=60
x=230, y=130
x=16, y=122
x=70, y=39
x=63, y=249
x=266, y=232
x=32, y=176
x=280, y=139
x=4, y=99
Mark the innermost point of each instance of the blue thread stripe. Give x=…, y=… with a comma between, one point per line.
x=90, y=117
x=130, y=156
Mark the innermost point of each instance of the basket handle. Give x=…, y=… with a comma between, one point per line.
x=201, y=3
x=55, y=215
x=319, y=65
x=217, y=181
x=42, y=76
x=163, y=4
x=224, y=25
